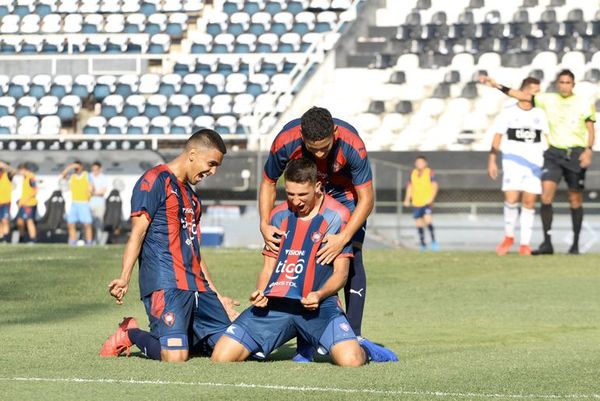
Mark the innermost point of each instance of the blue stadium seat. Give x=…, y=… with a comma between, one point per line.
x=273, y=7
x=295, y=7
x=300, y=28
x=251, y=7
x=66, y=113
x=254, y=89
x=230, y=7
x=213, y=28
x=257, y=28
x=148, y=8
x=235, y=29
x=322, y=27
x=278, y=28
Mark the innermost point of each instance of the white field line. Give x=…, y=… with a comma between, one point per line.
x=400, y=392
x=41, y=258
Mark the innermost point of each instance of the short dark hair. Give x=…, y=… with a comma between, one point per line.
x=23, y=166
x=316, y=124
x=566, y=72
x=529, y=81
x=78, y=162
x=422, y=157
x=207, y=138
x=300, y=171
x=97, y=163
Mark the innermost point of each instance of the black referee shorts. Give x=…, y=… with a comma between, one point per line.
x=559, y=163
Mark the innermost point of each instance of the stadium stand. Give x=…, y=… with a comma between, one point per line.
x=414, y=70
x=214, y=60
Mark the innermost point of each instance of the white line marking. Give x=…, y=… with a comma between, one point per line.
x=42, y=258
x=440, y=394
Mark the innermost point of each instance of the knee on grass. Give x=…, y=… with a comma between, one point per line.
x=348, y=354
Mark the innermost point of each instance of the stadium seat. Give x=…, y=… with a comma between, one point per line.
x=30, y=24
x=138, y=125
x=19, y=85
x=204, y=122
x=177, y=25
x=226, y=125
x=160, y=125
x=135, y=23
x=7, y=105
x=201, y=43
x=290, y=42
x=96, y=44
x=182, y=125
x=149, y=84
x=8, y=124
x=245, y=43
x=222, y=104
x=48, y=105
x=50, y=125
x=40, y=85
x=156, y=23
x=127, y=85
x=115, y=23
x=25, y=106
x=130, y=6
x=53, y=45
x=236, y=83
x=217, y=80
x=199, y=105
x=192, y=84
x=28, y=125
x=105, y=85
x=95, y=125
x=159, y=43
x=112, y=106
x=73, y=23
x=93, y=23
x=156, y=106
x=68, y=107
x=223, y=43
x=243, y=104
x=178, y=106
x=117, y=125
x=296, y=7
x=134, y=106
x=170, y=84
x=83, y=86
x=4, y=80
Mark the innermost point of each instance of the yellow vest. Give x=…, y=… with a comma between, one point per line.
x=28, y=194
x=80, y=187
x=421, y=185
x=5, y=188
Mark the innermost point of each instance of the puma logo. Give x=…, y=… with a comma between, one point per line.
x=359, y=292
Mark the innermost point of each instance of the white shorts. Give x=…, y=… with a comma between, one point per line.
x=520, y=177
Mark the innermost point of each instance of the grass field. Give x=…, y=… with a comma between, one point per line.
x=466, y=326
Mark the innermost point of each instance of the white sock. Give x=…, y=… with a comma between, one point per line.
x=527, y=216
x=511, y=212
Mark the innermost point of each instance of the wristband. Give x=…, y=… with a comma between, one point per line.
x=504, y=89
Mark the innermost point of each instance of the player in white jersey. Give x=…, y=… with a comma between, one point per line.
x=521, y=130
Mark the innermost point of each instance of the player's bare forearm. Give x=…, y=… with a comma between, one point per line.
x=364, y=206
x=266, y=200
x=266, y=272
x=139, y=227
x=589, y=124
x=337, y=281
x=207, y=276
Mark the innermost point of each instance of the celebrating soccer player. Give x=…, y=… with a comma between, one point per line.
x=296, y=294
x=176, y=288
x=345, y=174
x=571, y=118
x=421, y=192
x=521, y=128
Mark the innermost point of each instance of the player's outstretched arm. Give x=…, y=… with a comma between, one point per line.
x=336, y=282
x=66, y=170
x=118, y=287
x=11, y=171
x=266, y=200
x=514, y=93
x=335, y=243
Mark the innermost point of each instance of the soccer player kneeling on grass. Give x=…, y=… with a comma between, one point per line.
x=185, y=310
x=296, y=296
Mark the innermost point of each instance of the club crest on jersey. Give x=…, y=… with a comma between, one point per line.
x=169, y=319
x=345, y=327
x=316, y=236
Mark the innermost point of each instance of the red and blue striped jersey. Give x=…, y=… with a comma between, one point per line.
x=345, y=169
x=297, y=272
x=170, y=254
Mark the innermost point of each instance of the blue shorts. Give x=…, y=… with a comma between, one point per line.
x=80, y=212
x=419, y=212
x=183, y=319
x=261, y=330
x=5, y=211
x=27, y=212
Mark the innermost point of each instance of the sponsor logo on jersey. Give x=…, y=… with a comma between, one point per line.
x=295, y=252
x=291, y=270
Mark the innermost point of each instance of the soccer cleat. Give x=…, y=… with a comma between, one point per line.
x=525, y=250
x=574, y=249
x=119, y=342
x=545, y=248
x=377, y=353
x=503, y=248
x=435, y=246
x=304, y=354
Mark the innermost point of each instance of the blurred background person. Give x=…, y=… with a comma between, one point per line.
x=27, y=205
x=80, y=211
x=99, y=182
x=6, y=175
